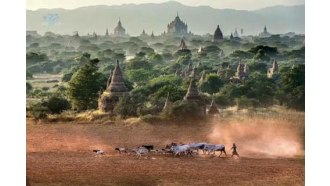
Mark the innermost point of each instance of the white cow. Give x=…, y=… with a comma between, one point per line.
x=197, y=146
x=181, y=149
x=140, y=151
x=212, y=148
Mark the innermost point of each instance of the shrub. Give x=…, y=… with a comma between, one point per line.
x=185, y=111
x=28, y=87
x=125, y=107
x=38, y=110
x=57, y=105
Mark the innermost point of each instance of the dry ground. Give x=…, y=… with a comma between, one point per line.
x=61, y=154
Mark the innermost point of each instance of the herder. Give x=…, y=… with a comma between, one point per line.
x=234, y=150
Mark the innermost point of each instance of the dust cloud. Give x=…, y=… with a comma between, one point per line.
x=271, y=138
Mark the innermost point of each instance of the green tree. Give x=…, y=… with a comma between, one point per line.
x=211, y=84
x=137, y=63
x=84, y=86
x=293, y=87
x=185, y=110
x=57, y=104
x=125, y=107
x=28, y=87
x=139, y=76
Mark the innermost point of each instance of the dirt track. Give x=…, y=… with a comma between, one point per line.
x=60, y=154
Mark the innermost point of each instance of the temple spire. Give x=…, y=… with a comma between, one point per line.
x=192, y=93
x=107, y=32
x=114, y=91
x=117, y=81
x=109, y=79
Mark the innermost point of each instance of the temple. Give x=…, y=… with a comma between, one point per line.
x=218, y=37
x=119, y=31
x=143, y=33
x=114, y=91
x=265, y=33
x=236, y=33
x=177, y=27
x=273, y=71
x=107, y=32
x=192, y=93
x=242, y=71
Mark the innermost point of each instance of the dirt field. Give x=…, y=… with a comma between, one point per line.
x=61, y=154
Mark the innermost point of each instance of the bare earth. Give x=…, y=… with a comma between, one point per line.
x=61, y=154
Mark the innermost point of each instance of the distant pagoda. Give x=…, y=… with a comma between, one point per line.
x=114, y=91
x=242, y=71
x=218, y=37
x=143, y=33
x=236, y=33
x=273, y=71
x=107, y=32
x=265, y=33
x=119, y=31
x=177, y=27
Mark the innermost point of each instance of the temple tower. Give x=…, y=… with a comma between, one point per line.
x=114, y=91
x=218, y=37
x=107, y=32
x=177, y=27
x=119, y=31
x=271, y=72
x=242, y=71
x=192, y=93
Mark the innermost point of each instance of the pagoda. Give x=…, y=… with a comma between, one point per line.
x=114, y=91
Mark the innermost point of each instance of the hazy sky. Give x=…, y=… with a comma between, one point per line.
x=234, y=4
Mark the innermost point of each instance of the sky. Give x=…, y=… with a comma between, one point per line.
x=220, y=4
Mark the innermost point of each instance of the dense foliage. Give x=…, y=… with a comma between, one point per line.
x=154, y=67
x=84, y=86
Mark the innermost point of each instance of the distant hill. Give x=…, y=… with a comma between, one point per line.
x=155, y=17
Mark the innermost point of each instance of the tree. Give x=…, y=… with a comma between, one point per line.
x=67, y=76
x=28, y=87
x=261, y=88
x=293, y=87
x=139, y=76
x=125, y=107
x=211, y=84
x=84, y=86
x=137, y=63
x=156, y=58
x=241, y=54
x=185, y=110
x=38, y=110
x=57, y=104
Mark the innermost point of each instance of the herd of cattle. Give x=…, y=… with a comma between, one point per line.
x=176, y=149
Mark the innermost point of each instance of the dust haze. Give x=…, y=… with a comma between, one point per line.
x=257, y=137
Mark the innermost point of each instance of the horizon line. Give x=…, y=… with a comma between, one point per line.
x=164, y=3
